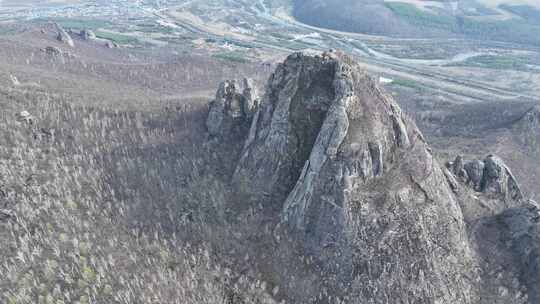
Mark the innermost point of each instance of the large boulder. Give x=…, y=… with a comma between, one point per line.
x=475, y=173
x=87, y=34
x=499, y=179
x=490, y=176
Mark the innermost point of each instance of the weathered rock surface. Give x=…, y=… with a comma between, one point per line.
x=357, y=184
x=509, y=250
x=234, y=106
x=527, y=130
x=499, y=179
x=353, y=181
x=475, y=173
x=64, y=37
x=490, y=176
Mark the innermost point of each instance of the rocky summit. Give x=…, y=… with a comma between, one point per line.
x=352, y=180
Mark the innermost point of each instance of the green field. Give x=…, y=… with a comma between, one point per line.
x=117, y=38
x=407, y=83
x=79, y=24
x=418, y=17
x=234, y=57
x=513, y=30
x=497, y=62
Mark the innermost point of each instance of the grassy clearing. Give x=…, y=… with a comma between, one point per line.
x=496, y=62
x=238, y=43
x=150, y=27
x=235, y=57
x=5, y=30
x=418, y=17
x=290, y=44
x=80, y=24
x=406, y=83
x=514, y=30
x=525, y=11
x=117, y=38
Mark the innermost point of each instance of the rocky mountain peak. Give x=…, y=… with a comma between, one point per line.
x=305, y=117
x=331, y=158
x=352, y=180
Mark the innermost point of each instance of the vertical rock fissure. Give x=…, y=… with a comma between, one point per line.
x=330, y=136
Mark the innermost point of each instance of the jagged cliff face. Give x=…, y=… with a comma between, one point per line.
x=352, y=180
x=285, y=128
